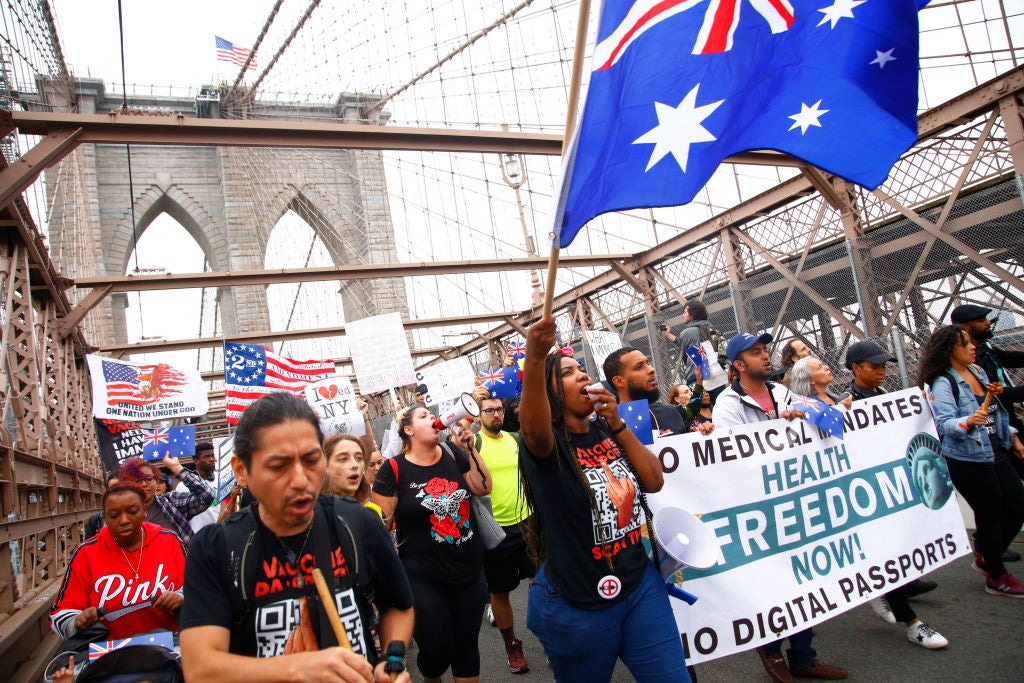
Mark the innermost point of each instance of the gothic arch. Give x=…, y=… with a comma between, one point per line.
x=178, y=204
x=333, y=225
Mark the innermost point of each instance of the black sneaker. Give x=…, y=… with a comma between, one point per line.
x=1011, y=556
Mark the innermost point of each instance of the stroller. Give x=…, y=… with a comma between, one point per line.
x=130, y=664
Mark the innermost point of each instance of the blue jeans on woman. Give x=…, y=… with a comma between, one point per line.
x=582, y=645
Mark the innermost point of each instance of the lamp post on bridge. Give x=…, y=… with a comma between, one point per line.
x=513, y=172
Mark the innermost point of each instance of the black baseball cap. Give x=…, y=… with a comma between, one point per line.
x=866, y=350
x=968, y=312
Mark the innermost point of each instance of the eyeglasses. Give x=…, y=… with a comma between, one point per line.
x=149, y=480
x=493, y=411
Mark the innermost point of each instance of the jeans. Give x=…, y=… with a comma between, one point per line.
x=800, y=653
x=582, y=645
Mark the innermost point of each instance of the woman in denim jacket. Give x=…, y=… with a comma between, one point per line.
x=977, y=446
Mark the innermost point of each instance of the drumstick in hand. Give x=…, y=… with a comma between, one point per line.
x=331, y=609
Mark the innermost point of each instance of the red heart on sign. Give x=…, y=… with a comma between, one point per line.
x=328, y=392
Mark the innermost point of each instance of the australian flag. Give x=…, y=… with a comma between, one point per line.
x=680, y=85
x=163, y=639
x=637, y=415
x=177, y=442
x=821, y=415
x=699, y=357
x=502, y=382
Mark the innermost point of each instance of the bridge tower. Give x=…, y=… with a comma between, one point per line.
x=229, y=200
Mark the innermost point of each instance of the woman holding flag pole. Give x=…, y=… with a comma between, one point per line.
x=597, y=597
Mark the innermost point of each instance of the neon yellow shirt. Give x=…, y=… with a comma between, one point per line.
x=502, y=459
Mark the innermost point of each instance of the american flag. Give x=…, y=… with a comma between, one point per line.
x=252, y=371
x=140, y=385
x=229, y=52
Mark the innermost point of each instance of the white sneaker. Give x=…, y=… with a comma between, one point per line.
x=490, y=615
x=883, y=610
x=923, y=635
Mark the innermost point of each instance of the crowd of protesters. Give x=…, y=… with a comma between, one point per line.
x=343, y=557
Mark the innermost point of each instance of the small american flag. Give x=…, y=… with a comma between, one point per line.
x=229, y=52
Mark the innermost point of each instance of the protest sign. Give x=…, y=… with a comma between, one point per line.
x=808, y=526
x=225, y=448
x=118, y=441
x=445, y=381
x=142, y=392
x=334, y=402
x=601, y=344
x=380, y=353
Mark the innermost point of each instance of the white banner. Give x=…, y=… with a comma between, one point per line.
x=808, y=526
x=144, y=392
x=445, y=381
x=601, y=344
x=380, y=353
x=334, y=402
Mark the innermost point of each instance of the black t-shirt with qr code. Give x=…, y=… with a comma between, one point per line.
x=594, y=559
x=262, y=632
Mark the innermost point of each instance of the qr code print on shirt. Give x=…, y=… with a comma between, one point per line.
x=605, y=525
x=276, y=621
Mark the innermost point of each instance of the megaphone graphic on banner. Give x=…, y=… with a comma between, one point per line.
x=466, y=406
x=684, y=540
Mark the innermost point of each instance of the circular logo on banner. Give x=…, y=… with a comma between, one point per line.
x=609, y=587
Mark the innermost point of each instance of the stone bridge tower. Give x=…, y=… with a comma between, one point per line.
x=229, y=200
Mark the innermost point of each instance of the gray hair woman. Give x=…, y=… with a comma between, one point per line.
x=810, y=377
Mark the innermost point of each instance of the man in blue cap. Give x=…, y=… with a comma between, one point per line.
x=752, y=398
x=994, y=360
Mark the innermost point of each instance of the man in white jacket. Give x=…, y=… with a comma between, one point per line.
x=752, y=398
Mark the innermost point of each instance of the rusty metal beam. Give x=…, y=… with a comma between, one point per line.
x=16, y=178
x=366, y=271
x=129, y=128
x=291, y=335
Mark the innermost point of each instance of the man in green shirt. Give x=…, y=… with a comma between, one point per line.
x=509, y=563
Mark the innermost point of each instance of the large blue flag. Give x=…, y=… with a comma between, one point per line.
x=680, y=85
x=502, y=382
x=637, y=414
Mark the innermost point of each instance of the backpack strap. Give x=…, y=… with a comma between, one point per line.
x=243, y=546
x=954, y=385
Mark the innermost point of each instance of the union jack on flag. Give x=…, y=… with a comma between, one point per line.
x=517, y=349
x=97, y=650
x=164, y=639
x=679, y=86
x=157, y=437
x=501, y=382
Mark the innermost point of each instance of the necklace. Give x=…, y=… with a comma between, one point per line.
x=293, y=559
x=139, y=566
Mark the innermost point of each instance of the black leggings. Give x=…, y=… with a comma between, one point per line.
x=995, y=493
x=448, y=625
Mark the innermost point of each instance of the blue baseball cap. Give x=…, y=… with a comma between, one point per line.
x=743, y=341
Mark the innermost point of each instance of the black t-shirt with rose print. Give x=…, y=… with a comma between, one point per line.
x=436, y=536
x=595, y=558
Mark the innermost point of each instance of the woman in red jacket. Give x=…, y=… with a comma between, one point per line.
x=129, y=574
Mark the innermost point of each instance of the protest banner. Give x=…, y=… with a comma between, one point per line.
x=808, y=525
x=445, y=381
x=601, y=344
x=334, y=402
x=380, y=353
x=225, y=449
x=143, y=392
x=118, y=441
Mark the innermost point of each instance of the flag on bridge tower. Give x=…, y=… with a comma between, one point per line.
x=680, y=85
x=234, y=54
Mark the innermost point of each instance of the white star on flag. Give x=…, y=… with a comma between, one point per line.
x=839, y=9
x=678, y=128
x=883, y=58
x=808, y=117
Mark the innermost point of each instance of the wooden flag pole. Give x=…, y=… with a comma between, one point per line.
x=582, y=23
